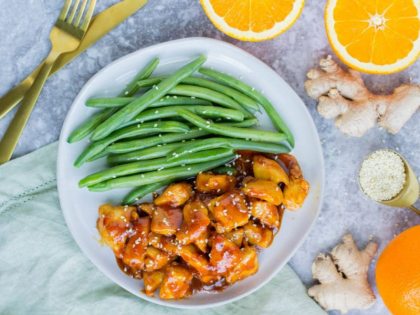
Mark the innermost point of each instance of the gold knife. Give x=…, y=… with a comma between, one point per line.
x=100, y=25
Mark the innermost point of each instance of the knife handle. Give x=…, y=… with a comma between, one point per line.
x=11, y=99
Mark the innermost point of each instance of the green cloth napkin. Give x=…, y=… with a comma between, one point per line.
x=43, y=271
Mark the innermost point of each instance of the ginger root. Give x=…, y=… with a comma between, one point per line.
x=344, y=94
x=348, y=287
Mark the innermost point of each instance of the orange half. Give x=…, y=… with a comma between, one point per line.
x=381, y=36
x=253, y=20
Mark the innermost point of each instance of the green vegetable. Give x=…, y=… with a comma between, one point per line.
x=145, y=154
x=234, y=94
x=128, y=132
x=170, y=112
x=257, y=96
x=137, y=144
x=131, y=110
x=153, y=165
x=93, y=122
x=254, y=134
x=210, y=95
x=159, y=176
x=213, y=143
x=165, y=101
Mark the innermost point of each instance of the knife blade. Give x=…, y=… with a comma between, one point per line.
x=100, y=25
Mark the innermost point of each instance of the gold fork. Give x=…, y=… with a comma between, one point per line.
x=65, y=36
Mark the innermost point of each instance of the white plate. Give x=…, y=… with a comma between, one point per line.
x=80, y=207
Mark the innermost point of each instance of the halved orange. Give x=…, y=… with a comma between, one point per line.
x=374, y=36
x=253, y=20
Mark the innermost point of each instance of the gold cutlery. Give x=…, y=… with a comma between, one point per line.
x=65, y=36
x=100, y=25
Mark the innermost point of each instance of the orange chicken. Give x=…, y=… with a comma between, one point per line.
x=113, y=226
x=266, y=212
x=195, y=258
x=166, y=220
x=295, y=194
x=175, y=195
x=195, y=222
x=245, y=268
x=270, y=170
x=229, y=211
x=220, y=184
x=135, y=250
x=224, y=254
x=152, y=281
x=156, y=258
x=176, y=283
x=235, y=236
x=265, y=190
x=258, y=235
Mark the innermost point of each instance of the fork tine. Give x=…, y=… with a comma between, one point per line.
x=88, y=16
x=80, y=14
x=65, y=10
x=73, y=12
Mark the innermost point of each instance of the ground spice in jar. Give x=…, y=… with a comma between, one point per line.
x=382, y=175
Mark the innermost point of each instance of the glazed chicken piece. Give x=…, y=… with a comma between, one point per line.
x=269, y=170
x=291, y=164
x=295, y=194
x=245, y=268
x=148, y=208
x=235, y=236
x=176, y=283
x=195, y=222
x=175, y=195
x=258, y=235
x=265, y=190
x=224, y=254
x=195, y=258
x=152, y=281
x=156, y=258
x=209, y=183
x=202, y=241
x=166, y=220
x=135, y=250
x=266, y=212
x=113, y=226
x=229, y=210
x=167, y=243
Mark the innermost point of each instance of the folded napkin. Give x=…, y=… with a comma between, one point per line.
x=42, y=270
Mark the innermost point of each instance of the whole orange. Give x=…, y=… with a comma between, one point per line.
x=398, y=273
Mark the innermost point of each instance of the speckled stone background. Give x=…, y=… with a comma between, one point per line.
x=24, y=29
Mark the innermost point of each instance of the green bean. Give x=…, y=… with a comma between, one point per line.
x=137, y=144
x=236, y=144
x=255, y=95
x=236, y=95
x=93, y=122
x=99, y=155
x=131, y=110
x=165, y=101
x=162, y=175
x=171, y=111
x=142, y=191
x=210, y=95
x=145, y=154
x=254, y=134
x=224, y=170
x=128, y=132
x=152, y=165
